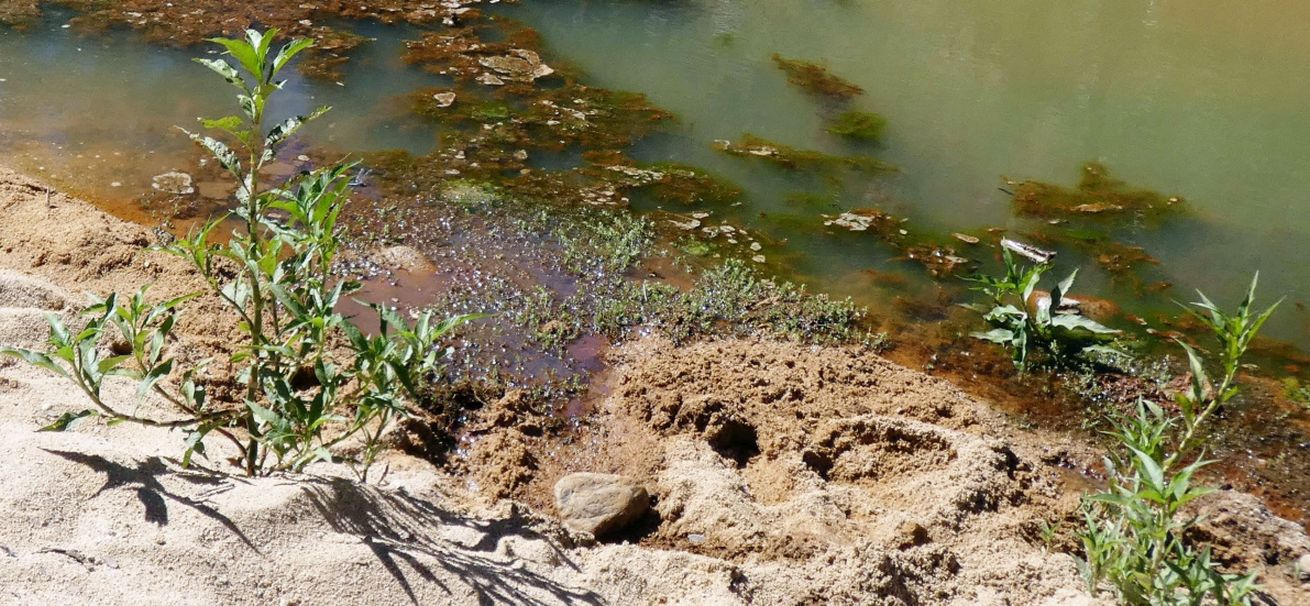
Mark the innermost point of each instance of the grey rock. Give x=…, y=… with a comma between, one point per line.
x=599, y=503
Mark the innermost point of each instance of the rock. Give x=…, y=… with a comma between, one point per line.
x=445, y=99
x=1303, y=567
x=175, y=182
x=599, y=503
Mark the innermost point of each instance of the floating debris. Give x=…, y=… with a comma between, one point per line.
x=1028, y=251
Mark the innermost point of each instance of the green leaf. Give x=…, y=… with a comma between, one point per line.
x=35, y=358
x=221, y=152
x=224, y=69
x=264, y=414
x=289, y=51
x=65, y=420
x=154, y=376
x=245, y=53
x=1074, y=322
x=1000, y=336
x=1153, y=473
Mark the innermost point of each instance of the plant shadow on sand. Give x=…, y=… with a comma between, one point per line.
x=154, y=495
x=401, y=530
x=396, y=526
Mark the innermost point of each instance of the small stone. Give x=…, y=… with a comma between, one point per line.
x=599, y=503
x=1303, y=567
x=911, y=534
x=445, y=99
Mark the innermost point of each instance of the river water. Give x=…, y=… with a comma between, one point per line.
x=1187, y=97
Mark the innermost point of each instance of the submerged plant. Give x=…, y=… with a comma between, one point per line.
x=866, y=126
x=311, y=379
x=1135, y=535
x=816, y=79
x=1023, y=320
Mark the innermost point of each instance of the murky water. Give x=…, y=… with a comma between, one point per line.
x=98, y=115
x=1183, y=97
x=1186, y=97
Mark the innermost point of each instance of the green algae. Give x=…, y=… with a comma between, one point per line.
x=1097, y=196
x=752, y=146
x=864, y=126
x=816, y=79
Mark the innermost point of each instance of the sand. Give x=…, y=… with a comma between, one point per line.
x=781, y=474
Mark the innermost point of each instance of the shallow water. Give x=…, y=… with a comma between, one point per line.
x=1186, y=97
x=1182, y=97
x=98, y=115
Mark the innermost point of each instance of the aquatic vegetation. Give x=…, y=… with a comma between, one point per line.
x=816, y=79
x=939, y=259
x=1023, y=320
x=1135, y=537
x=1098, y=196
x=751, y=146
x=865, y=126
x=301, y=397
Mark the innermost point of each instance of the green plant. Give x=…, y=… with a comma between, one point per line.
x=1021, y=322
x=1135, y=531
x=311, y=378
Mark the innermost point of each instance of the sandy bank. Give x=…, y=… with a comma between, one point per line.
x=781, y=475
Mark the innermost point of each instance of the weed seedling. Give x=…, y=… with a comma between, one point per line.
x=311, y=379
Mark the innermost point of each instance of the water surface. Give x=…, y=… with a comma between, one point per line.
x=1195, y=98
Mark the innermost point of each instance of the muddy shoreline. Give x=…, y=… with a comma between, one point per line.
x=782, y=473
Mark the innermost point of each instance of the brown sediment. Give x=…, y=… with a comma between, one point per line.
x=191, y=22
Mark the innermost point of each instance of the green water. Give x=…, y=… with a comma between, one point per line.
x=98, y=114
x=1186, y=97
x=1203, y=99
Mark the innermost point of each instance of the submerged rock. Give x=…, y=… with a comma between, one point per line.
x=599, y=503
x=175, y=182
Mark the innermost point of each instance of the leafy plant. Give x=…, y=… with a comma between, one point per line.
x=311, y=378
x=1134, y=536
x=1021, y=322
